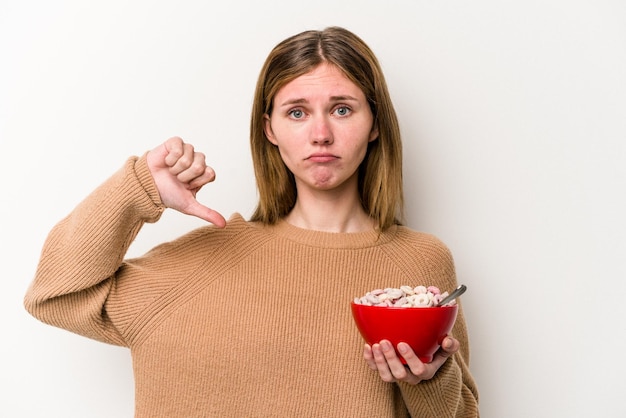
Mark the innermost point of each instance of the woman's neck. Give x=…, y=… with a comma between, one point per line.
x=329, y=213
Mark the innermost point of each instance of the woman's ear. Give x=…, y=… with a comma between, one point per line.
x=267, y=128
x=374, y=133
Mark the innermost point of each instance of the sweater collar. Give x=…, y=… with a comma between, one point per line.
x=338, y=240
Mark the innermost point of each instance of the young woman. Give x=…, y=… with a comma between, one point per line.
x=252, y=318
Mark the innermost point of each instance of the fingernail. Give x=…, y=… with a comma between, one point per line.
x=385, y=345
x=403, y=348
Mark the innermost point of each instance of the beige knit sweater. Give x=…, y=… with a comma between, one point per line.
x=246, y=321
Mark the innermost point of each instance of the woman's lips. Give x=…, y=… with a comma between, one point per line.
x=322, y=157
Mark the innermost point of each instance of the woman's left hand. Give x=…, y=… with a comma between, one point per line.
x=382, y=357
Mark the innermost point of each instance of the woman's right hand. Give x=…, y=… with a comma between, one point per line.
x=179, y=173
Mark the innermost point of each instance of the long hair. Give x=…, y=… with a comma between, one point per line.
x=380, y=173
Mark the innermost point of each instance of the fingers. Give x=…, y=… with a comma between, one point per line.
x=419, y=369
x=186, y=164
x=179, y=173
x=449, y=346
x=388, y=364
x=382, y=358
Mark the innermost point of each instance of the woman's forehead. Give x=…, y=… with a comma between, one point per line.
x=325, y=78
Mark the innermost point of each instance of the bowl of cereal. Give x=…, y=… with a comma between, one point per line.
x=414, y=315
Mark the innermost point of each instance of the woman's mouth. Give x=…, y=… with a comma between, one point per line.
x=322, y=157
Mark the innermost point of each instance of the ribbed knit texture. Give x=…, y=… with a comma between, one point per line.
x=246, y=321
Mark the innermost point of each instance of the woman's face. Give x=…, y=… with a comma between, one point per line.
x=321, y=123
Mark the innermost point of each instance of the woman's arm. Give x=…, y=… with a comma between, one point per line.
x=451, y=391
x=444, y=387
x=83, y=252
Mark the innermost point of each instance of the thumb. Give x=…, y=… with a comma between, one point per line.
x=450, y=346
x=205, y=213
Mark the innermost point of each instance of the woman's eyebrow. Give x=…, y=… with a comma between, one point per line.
x=343, y=97
x=294, y=101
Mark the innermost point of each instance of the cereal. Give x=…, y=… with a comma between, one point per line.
x=405, y=297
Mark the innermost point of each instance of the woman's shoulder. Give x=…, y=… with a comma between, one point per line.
x=417, y=237
x=422, y=255
x=419, y=245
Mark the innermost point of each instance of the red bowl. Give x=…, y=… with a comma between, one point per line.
x=423, y=329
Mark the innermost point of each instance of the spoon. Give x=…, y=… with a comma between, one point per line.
x=455, y=293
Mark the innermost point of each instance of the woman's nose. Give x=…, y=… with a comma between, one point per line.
x=321, y=131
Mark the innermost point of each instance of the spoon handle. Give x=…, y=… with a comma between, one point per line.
x=455, y=293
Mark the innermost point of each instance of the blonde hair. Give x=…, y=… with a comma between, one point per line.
x=380, y=173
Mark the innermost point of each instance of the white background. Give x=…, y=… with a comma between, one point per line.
x=514, y=122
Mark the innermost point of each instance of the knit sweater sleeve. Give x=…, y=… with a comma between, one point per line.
x=83, y=251
x=452, y=392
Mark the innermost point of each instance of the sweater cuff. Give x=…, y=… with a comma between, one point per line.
x=146, y=181
x=442, y=393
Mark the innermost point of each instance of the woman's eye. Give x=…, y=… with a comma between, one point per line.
x=342, y=111
x=296, y=113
